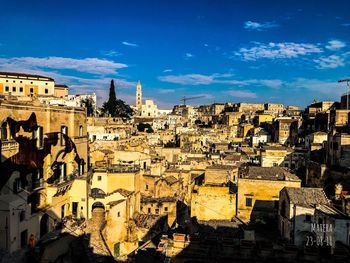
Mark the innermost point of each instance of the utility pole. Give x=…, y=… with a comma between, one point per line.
x=348, y=91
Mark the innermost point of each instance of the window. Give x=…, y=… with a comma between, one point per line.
x=157, y=211
x=75, y=209
x=149, y=210
x=81, y=130
x=64, y=131
x=118, y=214
x=63, y=171
x=20, y=81
x=62, y=211
x=275, y=164
x=14, y=89
x=166, y=209
x=81, y=167
x=31, y=82
x=99, y=178
x=7, y=88
x=31, y=90
x=22, y=216
x=46, y=91
x=14, y=81
x=7, y=80
x=248, y=201
x=46, y=83
x=4, y=131
x=307, y=218
x=146, y=187
x=38, y=137
x=17, y=186
x=21, y=89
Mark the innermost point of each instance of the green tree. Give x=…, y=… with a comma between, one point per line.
x=141, y=127
x=115, y=107
x=88, y=104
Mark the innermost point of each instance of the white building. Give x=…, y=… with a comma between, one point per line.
x=296, y=213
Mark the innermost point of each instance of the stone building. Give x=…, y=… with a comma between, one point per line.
x=20, y=84
x=296, y=212
x=44, y=163
x=258, y=191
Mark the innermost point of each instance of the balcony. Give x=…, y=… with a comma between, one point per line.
x=9, y=145
x=80, y=139
x=118, y=169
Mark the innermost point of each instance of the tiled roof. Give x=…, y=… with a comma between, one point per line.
x=307, y=197
x=267, y=173
x=17, y=75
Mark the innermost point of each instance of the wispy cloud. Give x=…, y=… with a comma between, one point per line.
x=332, y=61
x=218, y=78
x=251, y=25
x=242, y=94
x=85, y=65
x=346, y=24
x=272, y=83
x=188, y=79
x=166, y=91
x=335, y=44
x=111, y=53
x=129, y=44
x=167, y=70
x=277, y=51
x=328, y=87
x=189, y=55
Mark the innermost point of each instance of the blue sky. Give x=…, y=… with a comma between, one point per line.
x=255, y=51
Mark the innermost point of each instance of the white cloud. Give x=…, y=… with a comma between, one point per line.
x=218, y=78
x=242, y=94
x=346, y=24
x=189, y=79
x=129, y=44
x=111, y=53
x=250, y=25
x=167, y=70
x=332, y=61
x=188, y=55
x=166, y=91
x=272, y=83
x=86, y=65
x=277, y=50
x=318, y=86
x=335, y=44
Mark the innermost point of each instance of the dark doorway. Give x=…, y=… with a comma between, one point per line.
x=44, y=225
x=24, y=237
x=75, y=209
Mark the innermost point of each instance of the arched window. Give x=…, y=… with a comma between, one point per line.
x=81, y=130
x=4, y=131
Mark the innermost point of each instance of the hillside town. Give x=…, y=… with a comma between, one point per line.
x=225, y=182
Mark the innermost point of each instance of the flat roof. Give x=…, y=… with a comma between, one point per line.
x=24, y=75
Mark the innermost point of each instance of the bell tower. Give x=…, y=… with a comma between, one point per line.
x=139, y=97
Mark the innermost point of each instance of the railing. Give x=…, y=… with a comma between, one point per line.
x=118, y=169
x=9, y=145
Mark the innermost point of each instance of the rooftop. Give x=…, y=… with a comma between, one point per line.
x=24, y=76
x=307, y=197
x=267, y=173
x=147, y=199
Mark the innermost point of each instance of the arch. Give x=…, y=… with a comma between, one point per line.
x=97, y=205
x=97, y=193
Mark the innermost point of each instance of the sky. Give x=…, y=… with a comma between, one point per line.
x=289, y=52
